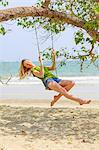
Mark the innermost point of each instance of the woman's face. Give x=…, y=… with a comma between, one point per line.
x=28, y=64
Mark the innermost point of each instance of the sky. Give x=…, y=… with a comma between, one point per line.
x=20, y=43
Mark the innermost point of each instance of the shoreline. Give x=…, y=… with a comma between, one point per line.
x=36, y=90
x=34, y=79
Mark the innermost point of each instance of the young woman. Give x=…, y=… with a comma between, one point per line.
x=49, y=80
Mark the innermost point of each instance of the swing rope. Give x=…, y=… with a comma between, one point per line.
x=38, y=47
x=52, y=39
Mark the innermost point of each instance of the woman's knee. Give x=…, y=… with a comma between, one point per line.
x=69, y=82
x=51, y=84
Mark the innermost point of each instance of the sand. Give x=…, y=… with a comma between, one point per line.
x=27, y=122
x=33, y=125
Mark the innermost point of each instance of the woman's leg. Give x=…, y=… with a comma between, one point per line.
x=67, y=84
x=58, y=88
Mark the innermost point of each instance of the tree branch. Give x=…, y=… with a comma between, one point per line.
x=97, y=1
x=8, y=79
x=46, y=3
x=13, y=13
x=1, y=81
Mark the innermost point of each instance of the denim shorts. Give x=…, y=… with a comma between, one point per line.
x=47, y=80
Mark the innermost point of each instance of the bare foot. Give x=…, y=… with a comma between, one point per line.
x=56, y=97
x=84, y=102
x=52, y=103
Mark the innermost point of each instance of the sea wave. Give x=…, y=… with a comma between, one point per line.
x=31, y=80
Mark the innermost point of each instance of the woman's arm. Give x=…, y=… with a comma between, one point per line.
x=53, y=67
x=40, y=73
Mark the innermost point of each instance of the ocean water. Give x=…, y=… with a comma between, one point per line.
x=72, y=69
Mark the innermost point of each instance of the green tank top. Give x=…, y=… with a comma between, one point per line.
x=47, y=73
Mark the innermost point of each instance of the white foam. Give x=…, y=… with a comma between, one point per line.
x=86, y=87
x=31, y=80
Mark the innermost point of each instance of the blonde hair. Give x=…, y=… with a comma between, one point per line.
x=23, y=71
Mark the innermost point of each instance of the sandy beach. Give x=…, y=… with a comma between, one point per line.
x=27, y=122
x=49, y=75
x=33, y=125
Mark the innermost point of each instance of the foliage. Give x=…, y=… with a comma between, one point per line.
x=82, y=54
x=96, y=8
x=82, y=9
x=47, y=24
x=2, y=30
x=4, y=2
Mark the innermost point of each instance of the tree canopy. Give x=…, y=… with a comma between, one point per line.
x=54, y=16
